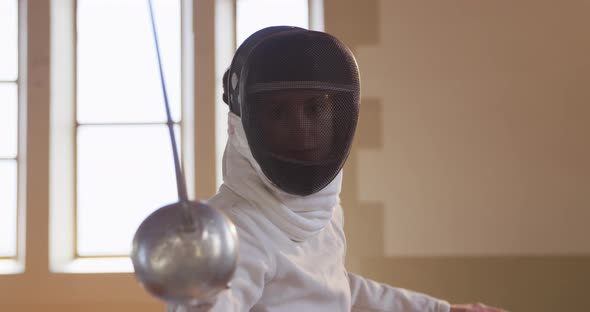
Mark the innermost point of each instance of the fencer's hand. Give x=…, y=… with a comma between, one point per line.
x=474, y=307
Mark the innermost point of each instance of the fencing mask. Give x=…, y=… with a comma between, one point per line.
x=297, y=92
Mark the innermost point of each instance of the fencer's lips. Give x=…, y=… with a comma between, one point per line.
x=303, y=154
x=302, y=151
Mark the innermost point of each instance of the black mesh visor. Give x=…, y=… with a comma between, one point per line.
x=300, y=108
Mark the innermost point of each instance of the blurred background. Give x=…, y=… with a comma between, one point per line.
x=469, y=178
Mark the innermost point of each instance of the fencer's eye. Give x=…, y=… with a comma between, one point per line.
x=317, y=105
x=277, y=112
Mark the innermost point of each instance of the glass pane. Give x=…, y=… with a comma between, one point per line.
x=124, y=174
x=7, y=208
x=118, y=77
x=8, y=120
x=9, y=40
x=253, y=15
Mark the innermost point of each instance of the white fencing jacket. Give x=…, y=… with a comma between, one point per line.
x=292, y=248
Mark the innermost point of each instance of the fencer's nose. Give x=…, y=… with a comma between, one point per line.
x=301, y=128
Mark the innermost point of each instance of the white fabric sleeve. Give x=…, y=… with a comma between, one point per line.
x=253, y=270
x=368, y=295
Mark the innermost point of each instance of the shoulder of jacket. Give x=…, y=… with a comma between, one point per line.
x=255, y=233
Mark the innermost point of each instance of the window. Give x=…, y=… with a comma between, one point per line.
x=124, y=161
x=8, y=127
x=252, y=15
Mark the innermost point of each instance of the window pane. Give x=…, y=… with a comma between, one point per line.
x=253, y=15
x=9, y=40
x=7, y=208
x=124, y=173
x=118, y=77
x=8, y=117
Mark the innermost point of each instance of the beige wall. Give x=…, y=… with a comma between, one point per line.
x=470, y=177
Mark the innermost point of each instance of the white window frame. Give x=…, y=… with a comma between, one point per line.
x=63, y=257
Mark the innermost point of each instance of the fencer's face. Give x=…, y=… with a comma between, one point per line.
x=297, y=124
